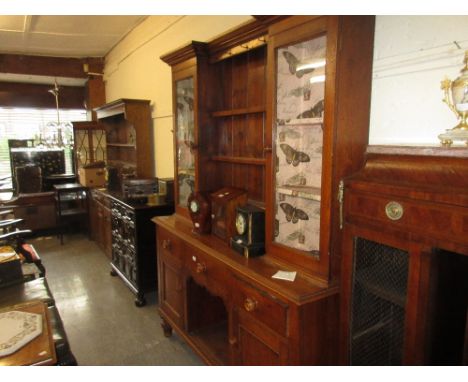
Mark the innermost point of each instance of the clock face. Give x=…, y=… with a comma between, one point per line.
x=240, y=224
x=194, y=207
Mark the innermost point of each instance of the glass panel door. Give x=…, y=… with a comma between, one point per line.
x=299, y=141
x=185, y=139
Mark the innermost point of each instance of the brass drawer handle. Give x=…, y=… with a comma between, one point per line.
x=166, y=244
x=250, y=304
x=200, y=268
x=394, y=210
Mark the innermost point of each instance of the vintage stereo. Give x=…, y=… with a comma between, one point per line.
x=223, y=209
x=138, y=190
x=250, y=231
x=200, y=212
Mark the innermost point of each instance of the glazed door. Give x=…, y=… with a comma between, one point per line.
x=298, y=226
x=185, y=137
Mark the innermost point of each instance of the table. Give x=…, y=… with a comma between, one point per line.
x=39, y=351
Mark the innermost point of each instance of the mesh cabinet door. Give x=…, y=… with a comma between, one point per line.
x=380, y=275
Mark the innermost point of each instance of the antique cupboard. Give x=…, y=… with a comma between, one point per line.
x=405, y=259
x=278, y=108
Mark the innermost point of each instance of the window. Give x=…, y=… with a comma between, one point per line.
x=25, y=123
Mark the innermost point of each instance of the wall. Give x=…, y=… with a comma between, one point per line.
x=412, y=55
x=133, y=69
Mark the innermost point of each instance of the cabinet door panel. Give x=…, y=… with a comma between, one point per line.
x=171, y=290
x=258, y=345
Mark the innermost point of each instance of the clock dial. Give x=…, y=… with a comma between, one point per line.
x=240, y=224
x=194, y=207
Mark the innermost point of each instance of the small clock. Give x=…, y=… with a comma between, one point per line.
x=250, y=227
x=200, y=212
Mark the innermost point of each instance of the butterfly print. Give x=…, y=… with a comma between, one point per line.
x=293, y=63
x=294, y=156
x=290, y=133
x=293, y=214
x=189, y=101
x=315, y=111
x=297, y=180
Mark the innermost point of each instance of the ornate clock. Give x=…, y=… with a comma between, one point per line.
x=250, y=231
x=223, y=210
x=200, y=212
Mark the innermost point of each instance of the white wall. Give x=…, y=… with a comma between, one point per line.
x=412, y=55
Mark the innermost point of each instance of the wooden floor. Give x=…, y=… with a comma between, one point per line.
x=103, y=324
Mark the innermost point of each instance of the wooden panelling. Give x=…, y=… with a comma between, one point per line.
x=14, y=94
x=50, y=66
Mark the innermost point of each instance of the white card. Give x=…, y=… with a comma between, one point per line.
x=283, y=275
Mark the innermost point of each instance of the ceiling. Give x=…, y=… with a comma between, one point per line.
x=61, y=36
x=64, y=36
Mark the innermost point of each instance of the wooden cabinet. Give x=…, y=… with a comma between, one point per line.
x=404, y=288
x=100, y=222
x=129, y=139
x=278, y=108
x=231, y=311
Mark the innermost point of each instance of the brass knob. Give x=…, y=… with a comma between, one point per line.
x=250, y=304
x=394, y=210
x=200, y=268
x=166, y=244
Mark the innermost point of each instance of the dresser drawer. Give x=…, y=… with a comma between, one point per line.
x=207, y=271
x=168, y=244
x=411, y=216
x=266, y=308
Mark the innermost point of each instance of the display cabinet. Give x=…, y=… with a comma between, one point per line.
x=281, y=112
x=89, y=143
x=127, y=123
x=404, y=297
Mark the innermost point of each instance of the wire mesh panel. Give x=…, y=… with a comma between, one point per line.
x=380, y=277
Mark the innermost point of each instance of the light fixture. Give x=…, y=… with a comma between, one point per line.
x=57, y=133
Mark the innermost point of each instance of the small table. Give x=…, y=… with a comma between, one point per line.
x=71, y=205
x=39, y=351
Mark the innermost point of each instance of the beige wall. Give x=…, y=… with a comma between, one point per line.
x=133, y=69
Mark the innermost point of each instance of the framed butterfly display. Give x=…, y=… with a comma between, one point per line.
x=185, y=137
x=300, y=94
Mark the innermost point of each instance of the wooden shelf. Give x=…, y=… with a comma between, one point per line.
x=233, y=112
x=306, y=192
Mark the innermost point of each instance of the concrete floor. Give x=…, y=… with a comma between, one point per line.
x=103, y=324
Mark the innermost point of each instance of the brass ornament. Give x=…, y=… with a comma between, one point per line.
x=456, y=98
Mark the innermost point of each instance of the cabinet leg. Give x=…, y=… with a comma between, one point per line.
x=166, y=328
x=140, y=301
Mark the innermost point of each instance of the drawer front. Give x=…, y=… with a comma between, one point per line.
x=207, y=271
x=409, y=216
x=261, y=305
x=168, y=244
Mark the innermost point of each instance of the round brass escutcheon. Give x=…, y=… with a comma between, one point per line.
x=394, y=210
x=250, y=304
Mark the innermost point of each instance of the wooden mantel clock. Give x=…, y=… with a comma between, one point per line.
x=200, y=210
